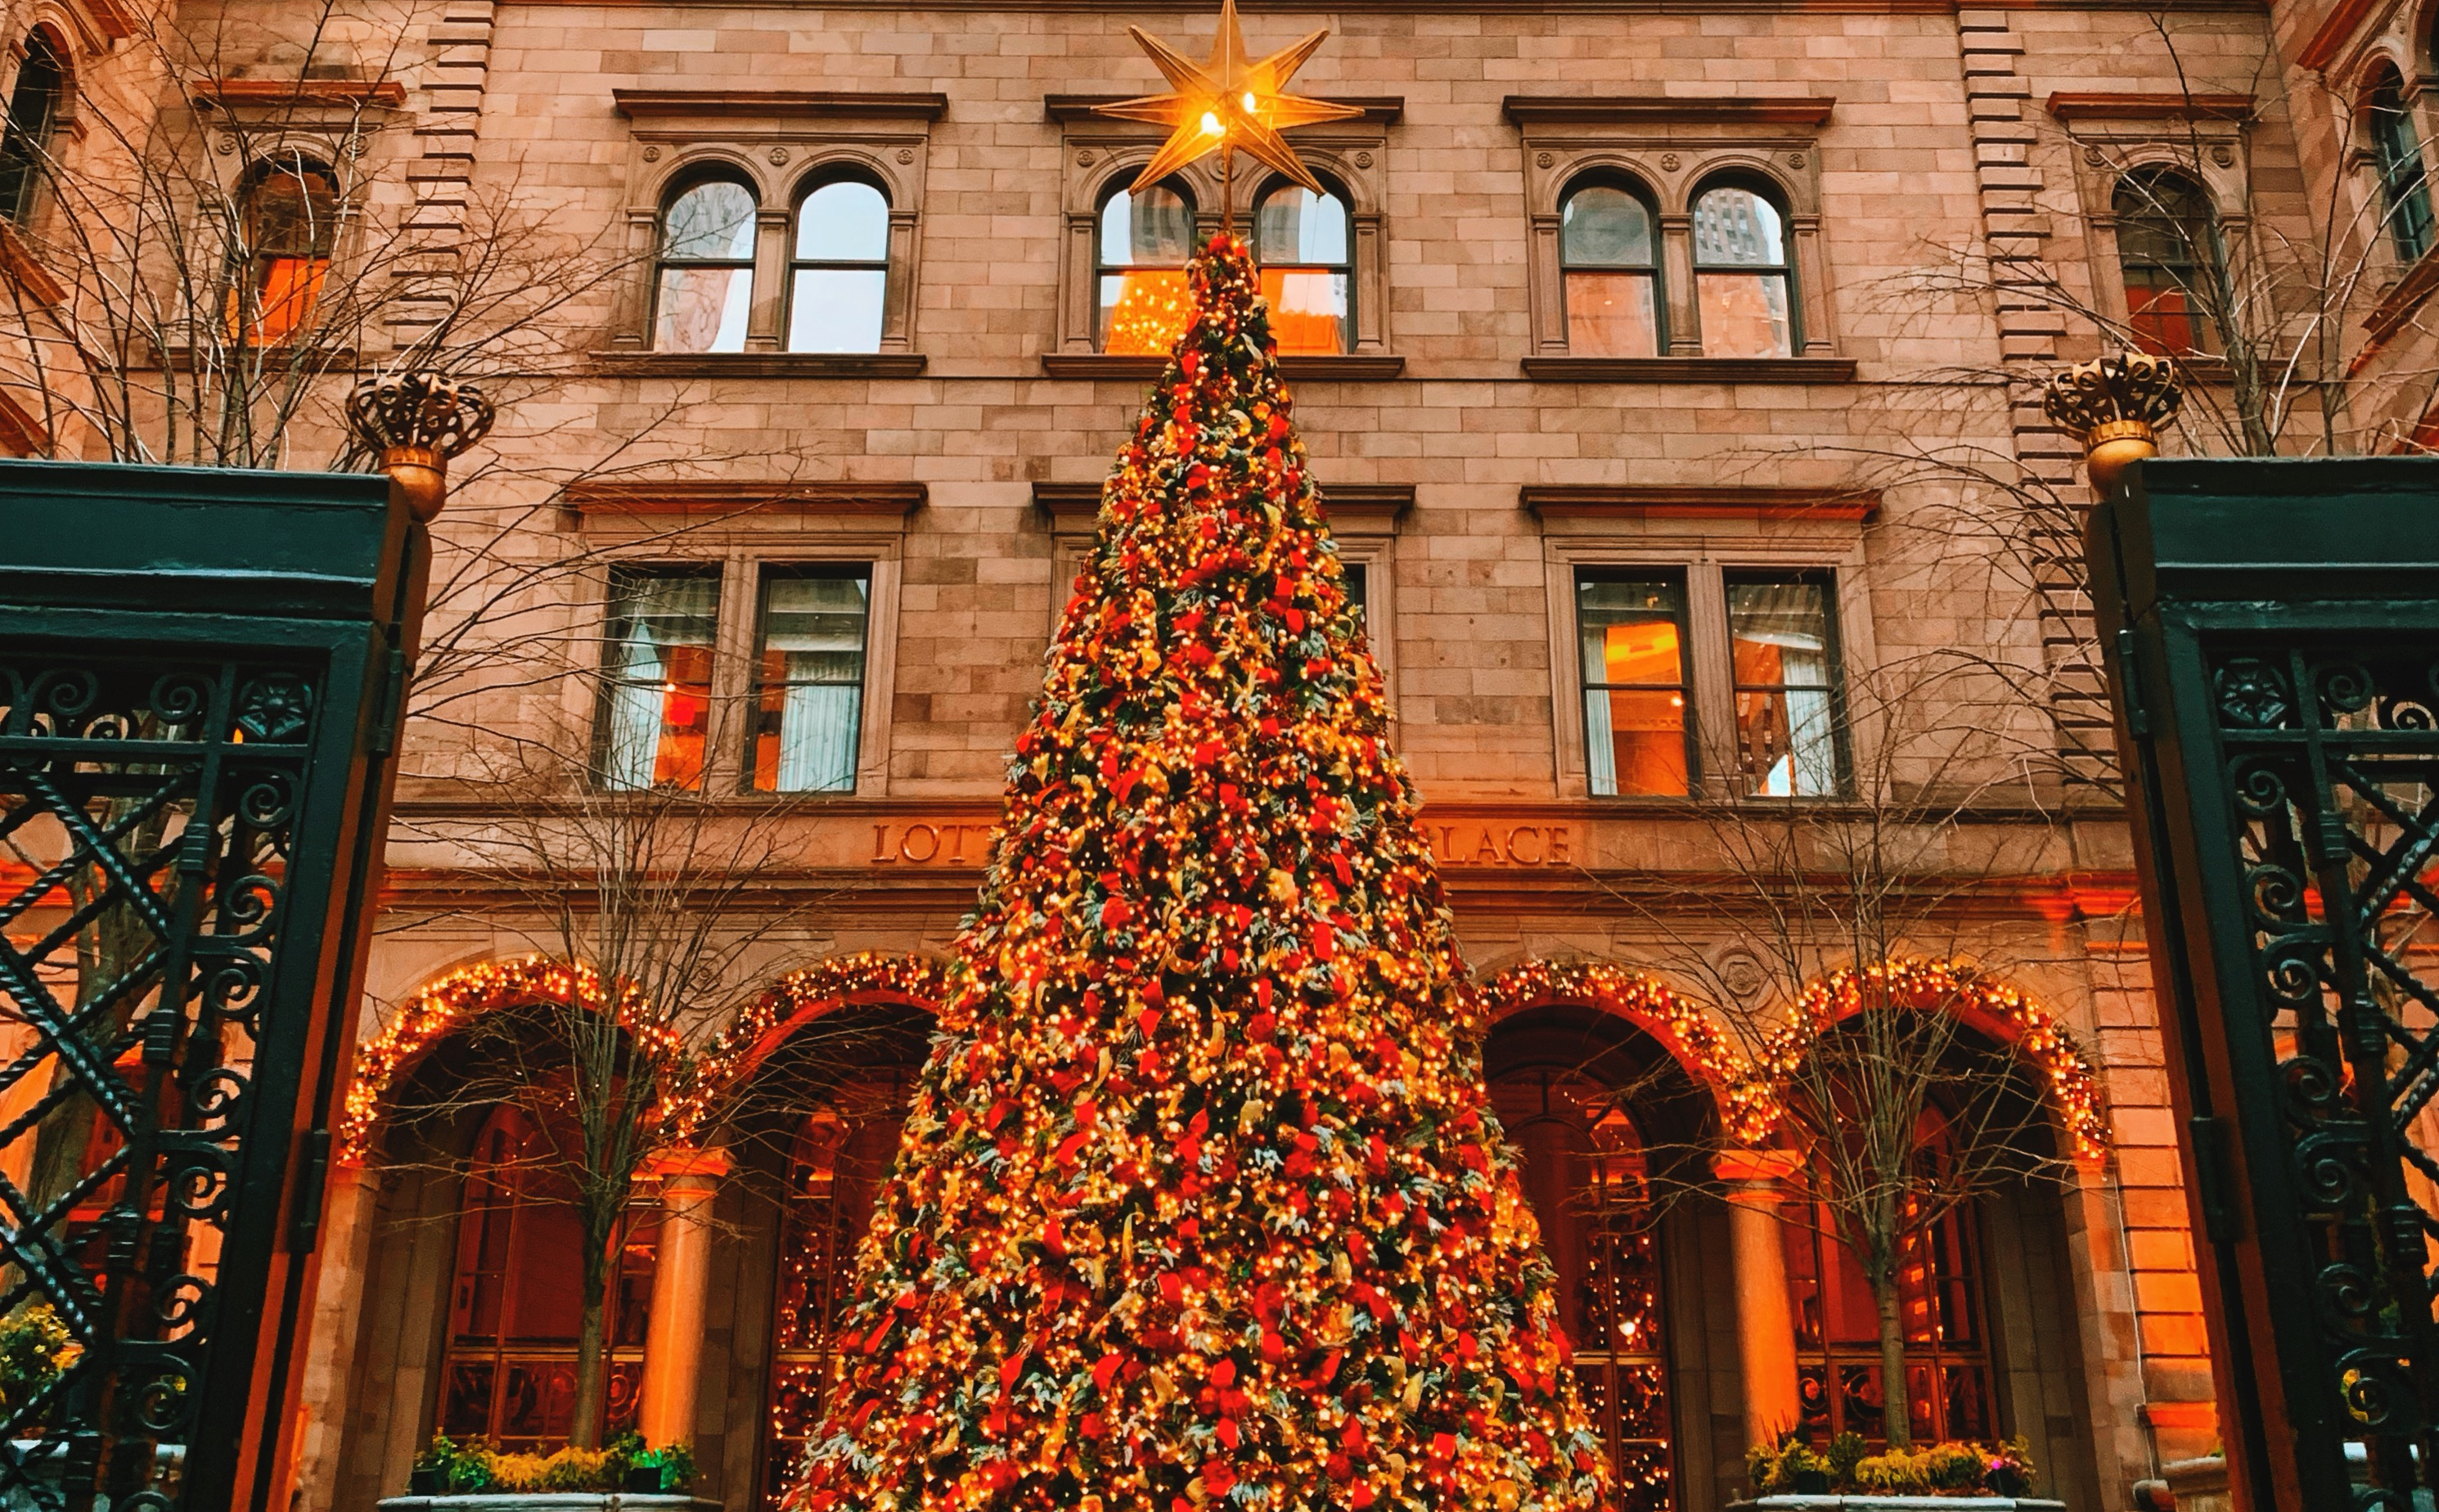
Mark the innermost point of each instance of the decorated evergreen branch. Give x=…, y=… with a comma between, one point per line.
x=1201, y=1200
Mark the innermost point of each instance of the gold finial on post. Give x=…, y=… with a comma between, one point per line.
x=2116, y=406
x=417, y=422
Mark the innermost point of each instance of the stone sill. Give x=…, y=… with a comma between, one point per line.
x=761, y=364
x=1690, y=369
x=1892, y=1504
x=1301, y=369
x=551, y=1502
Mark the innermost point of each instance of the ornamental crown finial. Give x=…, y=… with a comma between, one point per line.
x=2115, y=406
x=417, y=422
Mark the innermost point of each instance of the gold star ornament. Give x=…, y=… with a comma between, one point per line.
x=1227, y=102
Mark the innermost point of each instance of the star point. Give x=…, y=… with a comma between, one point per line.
x=1227, y=102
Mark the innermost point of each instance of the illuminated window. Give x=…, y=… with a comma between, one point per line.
x=2167, y=247
x=839, y=275
x=703, y=287
x=1609, y=281
x=1581, y=1164
x=808, y=695
x=32, y=124
x=1783, y=639
x=656, y=677
x=1139, y=267
x=1302, y=242
x=1741, y=284
x=1939, y=1299
x=290, y=209
x=2396, y=148
x=515, y=1309
x=1631, y=628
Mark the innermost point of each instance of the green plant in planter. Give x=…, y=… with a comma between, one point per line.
x=1794, y=1467
x=447, y=1468
x=669, y=1469
x=35, y=1350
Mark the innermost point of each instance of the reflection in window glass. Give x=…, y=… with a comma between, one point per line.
x=2167, y=246
x=292, y=222
x=27, y=134
x=1740, y=276
x=1300, y=238
x=656, y=684
x=1142, y=251
x=809, y=698
x=839, y=272
x=706, y=282
x=1632, y=630
x=2405, y=191
x=1610, y=285
x=1780, y=637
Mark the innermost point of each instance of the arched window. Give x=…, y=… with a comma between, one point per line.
x=33, y=118
x=838, y=274
x=2396, y=148
x=2167, y=246
x=1139, y=267
x=510, y=1373
x=706, y=279
x=1582, y=1170
x=1611, y=279
x=1742, y=285
x=1303, y=243
x=1947, y=1331
x=290, y=222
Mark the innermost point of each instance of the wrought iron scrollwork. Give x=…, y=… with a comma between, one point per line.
x=2331, y=767
x=144, y=819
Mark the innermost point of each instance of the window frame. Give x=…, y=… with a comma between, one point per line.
x=1770, y=193
x=2400, y=167
x=662, y=262
x=808, y=186
x=1706, y=550
x=1349, y=321
x=1103, y=269
x=768, y=572
x=1832, y=648
x=1689, y=732
x=57, y=118
x=611, y=680
x=1633, y=189
x=2202, y=266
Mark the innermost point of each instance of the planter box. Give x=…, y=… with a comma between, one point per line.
x=1891, y=1504
x=552, y=1502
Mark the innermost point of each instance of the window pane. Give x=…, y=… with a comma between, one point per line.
x=33, y=114
x=2163, y=312
x=294, y=209
x=1308, y=309
x=810, y=667
x=658, y=686
x=1632, y=632
x=1358, y=583
x=1779, y=641
x=1610, y=314
x=1298, y=225
x=1604, y=226
x=1737, y=228
x=1151, y=229
x=1744, y=314
x=846, y=222
x=1143, y=312
x=710, y=220
x=703, y=310
x=836, y=310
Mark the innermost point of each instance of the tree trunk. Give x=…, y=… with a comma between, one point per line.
x=1894, y=1408
x=584, y=1431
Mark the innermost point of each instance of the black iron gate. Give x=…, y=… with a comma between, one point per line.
x=2272, y=635
x=199, y=678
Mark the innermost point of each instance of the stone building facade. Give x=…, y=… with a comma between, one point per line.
x=1683, y=340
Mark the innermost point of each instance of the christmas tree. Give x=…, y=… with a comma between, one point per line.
x=1201, y=1200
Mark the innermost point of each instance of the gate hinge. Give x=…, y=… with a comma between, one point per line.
x=2210, y=1179
x=312, y=1176
x=2130, y=684
x=393, y=700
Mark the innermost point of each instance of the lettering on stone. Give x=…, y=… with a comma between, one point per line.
x=920, y=844
x=1501, y=844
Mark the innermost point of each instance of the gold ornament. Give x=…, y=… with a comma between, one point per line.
x=2116, y=406
x=1227, y=102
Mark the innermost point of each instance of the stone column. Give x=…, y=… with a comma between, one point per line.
x=680, y=1290
x=1765, y=1320
x=339, y=1304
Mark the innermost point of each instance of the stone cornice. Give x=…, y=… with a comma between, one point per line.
x=724, y=496
x=1669, y=110
x=1317, y=367
x=1375, y=507
x=1379, y=110
x=274, y=94
x=2097, y=105
x=779, y=104
x=1623, y=501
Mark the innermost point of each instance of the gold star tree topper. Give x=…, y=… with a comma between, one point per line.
x=1227, y=102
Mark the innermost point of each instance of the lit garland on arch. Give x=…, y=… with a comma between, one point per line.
x=864, y=977
x=1684, y=1029
x=467, y=993
x=2068, y=1081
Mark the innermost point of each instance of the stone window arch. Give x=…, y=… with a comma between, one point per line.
x=1745, y=288
x=838, y=266
x=1609, y=262
x=2171, y=260
x=36, y=112
x=703, y=269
